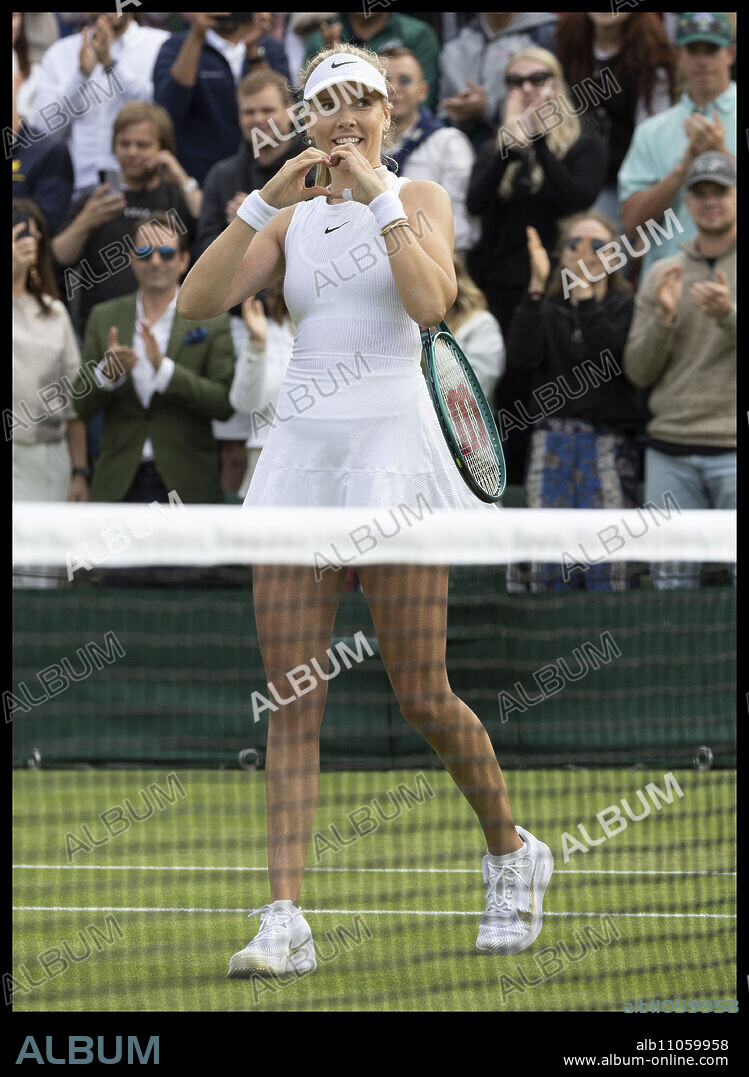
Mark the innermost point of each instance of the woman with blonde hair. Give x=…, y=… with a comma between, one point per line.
x=538, y=169
x=362, y=273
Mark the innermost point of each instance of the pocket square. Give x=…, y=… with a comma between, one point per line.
x=196, y=335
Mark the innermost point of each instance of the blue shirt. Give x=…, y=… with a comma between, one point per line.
x=658, y=145
x=43, y=172
x=206, y=119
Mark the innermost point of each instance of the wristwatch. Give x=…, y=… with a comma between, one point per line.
x=85, y=471
x=259, y=54
x=191, y=185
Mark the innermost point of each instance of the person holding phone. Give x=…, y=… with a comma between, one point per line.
x=49, y=440
x=151, y=179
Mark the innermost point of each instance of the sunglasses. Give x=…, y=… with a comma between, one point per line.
x=165, y=253
x=538, y=78
x=574, y=242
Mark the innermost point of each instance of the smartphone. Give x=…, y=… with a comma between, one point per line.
x=18, y=217
x=110, y=176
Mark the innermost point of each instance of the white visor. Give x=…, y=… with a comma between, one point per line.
x=343, y=67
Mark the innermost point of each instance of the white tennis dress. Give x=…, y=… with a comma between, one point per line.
x=354, y=424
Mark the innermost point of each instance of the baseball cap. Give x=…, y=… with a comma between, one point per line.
x=712, y=26
x=713, y=166
x=344, y=67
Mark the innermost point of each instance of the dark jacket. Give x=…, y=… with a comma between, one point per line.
x=242, y=172
x=579, y=349
x=572, y=183
x=613, y=119
x=43, y=172
x=178, y=421
x=206, y=119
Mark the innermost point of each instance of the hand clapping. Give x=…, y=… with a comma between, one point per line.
x=712, y=297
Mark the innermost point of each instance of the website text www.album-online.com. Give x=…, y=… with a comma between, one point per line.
x=660, y=1052
x=670, y=1059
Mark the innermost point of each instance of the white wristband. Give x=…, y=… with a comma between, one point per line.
x=255, y=212
x=387, y=207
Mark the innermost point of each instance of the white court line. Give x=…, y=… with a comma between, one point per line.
x=375, y=871
x=370, y=912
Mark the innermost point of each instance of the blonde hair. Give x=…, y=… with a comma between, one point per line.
x=322, y=175
x=469, y=299
x=559, y=139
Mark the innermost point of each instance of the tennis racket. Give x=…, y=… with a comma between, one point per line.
x=464, y=416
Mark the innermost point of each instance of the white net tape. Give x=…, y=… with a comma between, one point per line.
x=120, y=535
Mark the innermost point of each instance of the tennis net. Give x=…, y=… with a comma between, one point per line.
x=596, y=647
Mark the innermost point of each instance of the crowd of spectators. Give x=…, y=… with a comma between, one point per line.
x=590, y=162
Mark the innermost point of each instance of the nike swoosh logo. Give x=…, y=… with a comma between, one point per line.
x=327, y=230
x=296, y=949
x=527, y=917
x=343, y=62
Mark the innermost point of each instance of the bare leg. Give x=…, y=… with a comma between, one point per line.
x=295, y=617
x=409, y=610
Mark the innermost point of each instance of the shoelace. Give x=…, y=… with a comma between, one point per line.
x=271, y=918
x=506, y=903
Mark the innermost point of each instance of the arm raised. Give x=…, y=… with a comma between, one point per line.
x=241, y=261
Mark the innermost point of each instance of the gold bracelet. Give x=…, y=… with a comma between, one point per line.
x=395, y=224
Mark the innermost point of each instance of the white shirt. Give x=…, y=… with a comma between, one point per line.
x=59, y=94
x=26, y=95
x=238, y=427
x=233, y=54
x=447, y=158
x=258, y=376
x=146, y=380
x=45, y=354
x=295, y=48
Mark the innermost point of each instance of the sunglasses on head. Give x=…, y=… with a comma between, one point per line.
x=165, y=253
x=538, y=78
x=574, y=242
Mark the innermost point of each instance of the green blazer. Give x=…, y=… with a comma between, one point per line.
x=177, y=421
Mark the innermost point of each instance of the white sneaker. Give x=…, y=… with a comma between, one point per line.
x=283, y=943
x=514, y=898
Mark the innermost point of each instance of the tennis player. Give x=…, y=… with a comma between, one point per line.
x=367, y=259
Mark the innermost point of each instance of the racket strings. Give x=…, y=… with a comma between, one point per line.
x=466, y=421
